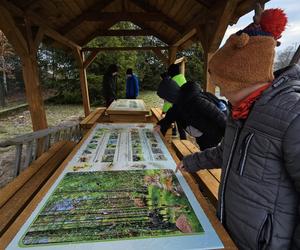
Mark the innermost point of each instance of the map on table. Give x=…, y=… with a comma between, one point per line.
x=122, y=146
x=127, y=105
x=118, y=192
x=114, y=205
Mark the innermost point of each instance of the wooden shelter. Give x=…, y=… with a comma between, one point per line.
x=73, y=23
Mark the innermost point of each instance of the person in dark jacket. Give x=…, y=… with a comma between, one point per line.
x=193, y=111
x=259, y=194
x=110, y=84
x=132, y=85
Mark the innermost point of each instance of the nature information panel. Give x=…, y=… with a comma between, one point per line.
x=119, y=191
x=125, y=105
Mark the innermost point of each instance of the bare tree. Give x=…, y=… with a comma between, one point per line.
x=6, y=51
x=285, y=56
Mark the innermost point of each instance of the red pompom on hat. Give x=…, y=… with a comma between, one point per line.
x=273, y=21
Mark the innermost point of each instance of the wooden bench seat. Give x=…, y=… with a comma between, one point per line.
x=92, y=118
x=16, y=195
x=208, y=179
x=157, y=114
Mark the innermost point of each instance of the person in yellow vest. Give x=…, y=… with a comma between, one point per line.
x=175, y=75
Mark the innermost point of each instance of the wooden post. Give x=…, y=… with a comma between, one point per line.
x=83, y=82
x=209, y=86
x=26, y=47
x=33, y=92
x=182, y=67
x=172, y=54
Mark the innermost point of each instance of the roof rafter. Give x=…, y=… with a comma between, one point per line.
x=108, y=32
x=37, y=20
x=98, y=6
x=220, y=19
x=149, y=8
x=126, y=16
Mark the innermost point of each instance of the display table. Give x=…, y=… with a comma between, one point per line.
x=118, y=190
x=128, y=110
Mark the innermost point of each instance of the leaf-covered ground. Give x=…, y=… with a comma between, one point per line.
x=20, y=123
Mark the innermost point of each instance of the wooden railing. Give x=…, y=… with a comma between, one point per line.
x=36, y=143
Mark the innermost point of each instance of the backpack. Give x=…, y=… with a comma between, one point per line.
x=221, y=104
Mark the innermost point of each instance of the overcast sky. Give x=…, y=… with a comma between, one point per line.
x=290, y=36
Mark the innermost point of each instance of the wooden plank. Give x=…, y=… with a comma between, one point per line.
x=210, y=185
x=157, y=113
x=41, y=22
x=96, y=116
x=90, y=59
x=98, y=6
x=146, y=6
x=172, y=54
x=126, y=16
x=11, y=31
x=216, y=172
x=123, y=48
x=8, y=191
x=18, y=159
x=14, y=206
x=206, y=179
x=209, y=86
x=85, y=121
x=125, y=32
x=34, y=92
x=161, y=56
x=222, y=16
x=127, y=118
x=207, y=208
x=83, y=84
x=10, y=233
x=28, y=156
x=186, y=36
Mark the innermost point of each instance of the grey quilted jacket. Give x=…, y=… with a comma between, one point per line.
x=259, y=195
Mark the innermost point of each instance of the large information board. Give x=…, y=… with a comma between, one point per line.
x=128, y=106
x=119, y=192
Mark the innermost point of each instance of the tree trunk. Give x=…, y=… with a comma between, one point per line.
x=2, y=85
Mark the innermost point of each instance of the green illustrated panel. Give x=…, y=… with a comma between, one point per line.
x=113, y=205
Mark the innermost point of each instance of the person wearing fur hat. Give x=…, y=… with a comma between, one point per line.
x=259, y=194
x=194, y=111
x=132, y=85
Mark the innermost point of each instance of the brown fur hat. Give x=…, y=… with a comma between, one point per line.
x=247, y=57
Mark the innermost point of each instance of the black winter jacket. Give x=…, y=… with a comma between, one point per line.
x=260, y=158
x=109, y=86
x=193, y=108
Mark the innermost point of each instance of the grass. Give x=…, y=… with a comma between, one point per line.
x=20, y=123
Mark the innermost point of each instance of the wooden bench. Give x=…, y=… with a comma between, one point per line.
x=207, y=179
x=92, y=118
x=16, y=195
x=157, y=115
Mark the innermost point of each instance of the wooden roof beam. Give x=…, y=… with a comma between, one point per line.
x=94, y=34
x=124, y=48
x=98, y=6
x=188, y=35
x=206, y=3
x=145, y=26
x=12, y=32
x=243, y=8
x=144, y=5
x=125, y=33
x=126, y=16
x=37, y=20
x=220, y=19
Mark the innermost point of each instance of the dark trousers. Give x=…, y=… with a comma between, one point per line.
x=181, y=131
